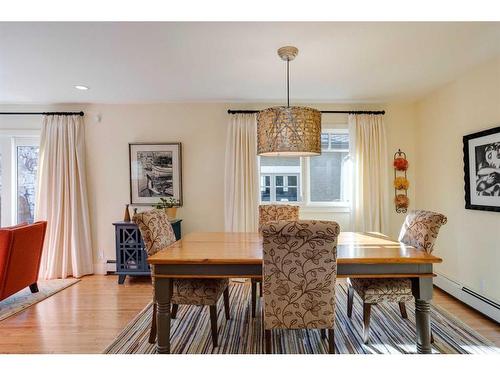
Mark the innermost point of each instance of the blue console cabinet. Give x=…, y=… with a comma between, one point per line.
x=131, y=258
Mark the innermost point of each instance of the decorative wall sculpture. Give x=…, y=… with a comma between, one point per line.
x=401, y=183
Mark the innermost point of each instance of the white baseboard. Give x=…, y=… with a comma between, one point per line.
x=455, y=289
x=99, y=268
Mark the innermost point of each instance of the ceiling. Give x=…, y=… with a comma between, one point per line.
x=160, y=62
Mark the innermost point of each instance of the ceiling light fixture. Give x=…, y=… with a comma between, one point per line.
x=81, y=87
x=289, y=131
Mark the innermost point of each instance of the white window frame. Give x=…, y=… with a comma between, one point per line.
x=304, y=188
x=9, y=140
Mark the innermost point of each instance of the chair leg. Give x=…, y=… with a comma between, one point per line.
x=331, y=341
x=323, y=334
x=267, y=334
x=34, y=288
x=350, y=300
x=254, y=297
x=260, y=288
x=173, y=314
x=225, y=295
x=366, y=321
x=402, y=309
x=152, y=332
x=213, y=324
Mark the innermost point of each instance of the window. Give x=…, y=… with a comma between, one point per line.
x=317, y=180
x=18, y=173
x=328, y=172
x=280, y=179
x=27, y=165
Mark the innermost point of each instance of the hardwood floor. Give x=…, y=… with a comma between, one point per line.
x=477, y=321
x=83, y=318
x=87, y=316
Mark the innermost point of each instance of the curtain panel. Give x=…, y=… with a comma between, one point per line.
x=62, y=198
x=369, y=211
x=241, y=195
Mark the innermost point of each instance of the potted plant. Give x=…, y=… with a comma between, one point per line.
x=169, y=205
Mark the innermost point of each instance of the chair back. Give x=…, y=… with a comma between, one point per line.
x=421, y=229
x=156, y=230
x=277, y=212
x=299, y=274
x=21, y=249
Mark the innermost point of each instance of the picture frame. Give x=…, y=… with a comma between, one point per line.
x=155, y=172
x=482, y=170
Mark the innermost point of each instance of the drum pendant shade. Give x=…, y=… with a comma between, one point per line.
x=289, y=131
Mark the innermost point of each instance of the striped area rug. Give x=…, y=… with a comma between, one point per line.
x=389, y=333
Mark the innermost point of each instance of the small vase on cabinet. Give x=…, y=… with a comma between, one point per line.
x=171, y=212
x=126, y=216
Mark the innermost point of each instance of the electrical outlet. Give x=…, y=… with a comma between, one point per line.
x=101, y=255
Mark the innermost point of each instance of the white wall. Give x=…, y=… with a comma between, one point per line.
x=470, y=243
x=201, y=127
x=202, y=130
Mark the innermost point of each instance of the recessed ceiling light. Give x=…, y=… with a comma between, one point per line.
x=81, y=87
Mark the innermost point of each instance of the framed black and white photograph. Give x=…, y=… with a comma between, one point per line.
x=482, y=170
x=155, y=172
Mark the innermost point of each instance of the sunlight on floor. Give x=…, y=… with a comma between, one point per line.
x=389, y=349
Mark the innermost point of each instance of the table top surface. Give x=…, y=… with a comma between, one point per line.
x=246, y=248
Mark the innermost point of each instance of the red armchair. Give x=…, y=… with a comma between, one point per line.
x=20, y=254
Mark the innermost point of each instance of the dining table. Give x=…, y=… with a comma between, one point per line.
x=240, y=255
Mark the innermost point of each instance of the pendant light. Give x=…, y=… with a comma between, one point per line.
x=288, y=131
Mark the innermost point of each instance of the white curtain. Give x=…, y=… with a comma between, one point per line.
x=370, y=173
x=241, y=174
x=62, y=198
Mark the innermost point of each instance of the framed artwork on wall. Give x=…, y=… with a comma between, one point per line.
x=482, y=170
x=155, y=172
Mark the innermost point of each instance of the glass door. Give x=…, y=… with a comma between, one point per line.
x=26, y=155
x=18, y=178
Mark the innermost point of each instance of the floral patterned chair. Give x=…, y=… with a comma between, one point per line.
x=277, y=212
x=157, y=233
x=419, y=230
x=268, y=213
x=299, y=273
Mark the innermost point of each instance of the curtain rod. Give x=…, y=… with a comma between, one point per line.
x=41, y=113
x=233, y=111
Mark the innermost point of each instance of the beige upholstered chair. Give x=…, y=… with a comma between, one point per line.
x=157, y=233
x=299, y=271
x=268, y=213
x=419, y=230
x=277, y=212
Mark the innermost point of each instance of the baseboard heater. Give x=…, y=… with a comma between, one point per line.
x=110, y=267
x=482, y=298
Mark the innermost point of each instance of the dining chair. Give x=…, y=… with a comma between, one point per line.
x=268, y=213
x=419, y=230
x=277, y=212
x=299, y=274
x=157, y=234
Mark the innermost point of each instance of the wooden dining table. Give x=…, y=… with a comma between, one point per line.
x=239, y=255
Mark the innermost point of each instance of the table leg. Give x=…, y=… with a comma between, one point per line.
x=422, y=291
x=163, y=294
